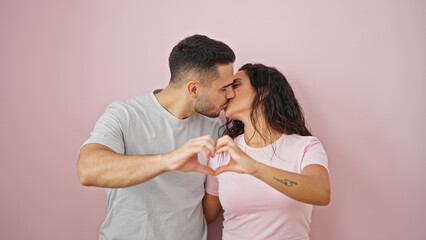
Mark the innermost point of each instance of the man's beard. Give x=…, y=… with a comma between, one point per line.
x=204, y=107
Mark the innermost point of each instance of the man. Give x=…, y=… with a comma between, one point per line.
x=144, y=151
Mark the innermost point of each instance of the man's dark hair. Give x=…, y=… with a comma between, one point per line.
x=198, y=55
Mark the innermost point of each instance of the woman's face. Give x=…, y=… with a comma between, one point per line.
x=239, y=107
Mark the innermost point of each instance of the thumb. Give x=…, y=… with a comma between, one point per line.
x=204, y=169
x=222, y=169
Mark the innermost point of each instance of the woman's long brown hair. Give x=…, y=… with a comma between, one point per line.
x=280, y=107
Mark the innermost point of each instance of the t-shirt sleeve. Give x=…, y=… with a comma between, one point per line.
x=108, y=129
x=314, y=153
x=212, y=184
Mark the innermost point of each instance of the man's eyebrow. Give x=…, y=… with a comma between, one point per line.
x=231, y=83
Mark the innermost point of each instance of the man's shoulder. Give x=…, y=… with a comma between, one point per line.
x=140, y=102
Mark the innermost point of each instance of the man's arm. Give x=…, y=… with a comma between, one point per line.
x=100, y=166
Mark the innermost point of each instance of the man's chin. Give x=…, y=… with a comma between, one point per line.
x=213, y=115
x=210, y=114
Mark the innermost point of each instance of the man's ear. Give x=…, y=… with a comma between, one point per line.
x=193, y=88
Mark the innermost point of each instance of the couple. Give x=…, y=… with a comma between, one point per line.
x=152, y=154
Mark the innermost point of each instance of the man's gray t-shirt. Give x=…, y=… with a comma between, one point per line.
x=169, y=205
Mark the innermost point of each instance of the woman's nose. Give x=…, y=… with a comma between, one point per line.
x=230, y=93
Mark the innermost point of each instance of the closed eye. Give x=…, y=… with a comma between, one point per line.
x=234, y=86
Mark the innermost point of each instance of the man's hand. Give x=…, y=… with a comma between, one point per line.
x=185, y=158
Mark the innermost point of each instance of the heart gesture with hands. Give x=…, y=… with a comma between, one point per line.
x=185, y=158
x=239, y=161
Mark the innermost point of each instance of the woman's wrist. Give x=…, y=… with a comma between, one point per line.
x=256, y=169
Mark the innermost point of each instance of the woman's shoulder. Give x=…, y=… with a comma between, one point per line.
x=305, y=140
x=239, y=137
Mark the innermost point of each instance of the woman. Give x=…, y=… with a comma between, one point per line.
x=269, y=169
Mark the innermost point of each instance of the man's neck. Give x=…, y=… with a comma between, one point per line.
x=175, y=101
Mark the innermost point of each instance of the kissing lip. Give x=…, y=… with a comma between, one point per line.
x=225, y=105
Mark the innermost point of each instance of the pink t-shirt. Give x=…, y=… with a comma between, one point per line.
x=253, y=209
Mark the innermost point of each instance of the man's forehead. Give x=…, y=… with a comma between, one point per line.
x=225, y=76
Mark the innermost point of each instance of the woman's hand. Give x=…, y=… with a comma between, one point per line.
x=312, y=186
x=239, y=161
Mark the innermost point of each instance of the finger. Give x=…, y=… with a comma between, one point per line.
x=205, y=153
x=211, y=147
x=204, y=169
x=207, y=143
x=226, y=140
x=226, y=137
x=222, y=149
x=220, y=144
x=221, y=140
x=224, y=143
x=207, y=138
x=222, y=169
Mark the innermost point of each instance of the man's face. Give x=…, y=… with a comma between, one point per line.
x=215, y=97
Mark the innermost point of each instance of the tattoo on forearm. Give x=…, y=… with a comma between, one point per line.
x=287, y=182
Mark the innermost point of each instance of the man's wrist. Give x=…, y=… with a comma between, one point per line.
x=166, y=162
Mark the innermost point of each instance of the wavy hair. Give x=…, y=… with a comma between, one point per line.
x=276, y=100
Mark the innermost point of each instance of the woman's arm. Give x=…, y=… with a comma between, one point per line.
x=211, y=207
x=312, y=186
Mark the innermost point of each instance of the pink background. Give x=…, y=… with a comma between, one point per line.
x=357, y=67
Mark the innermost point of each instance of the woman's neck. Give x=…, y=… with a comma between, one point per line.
x=261, y=136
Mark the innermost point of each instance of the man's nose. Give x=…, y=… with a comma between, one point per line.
x=230, y=93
